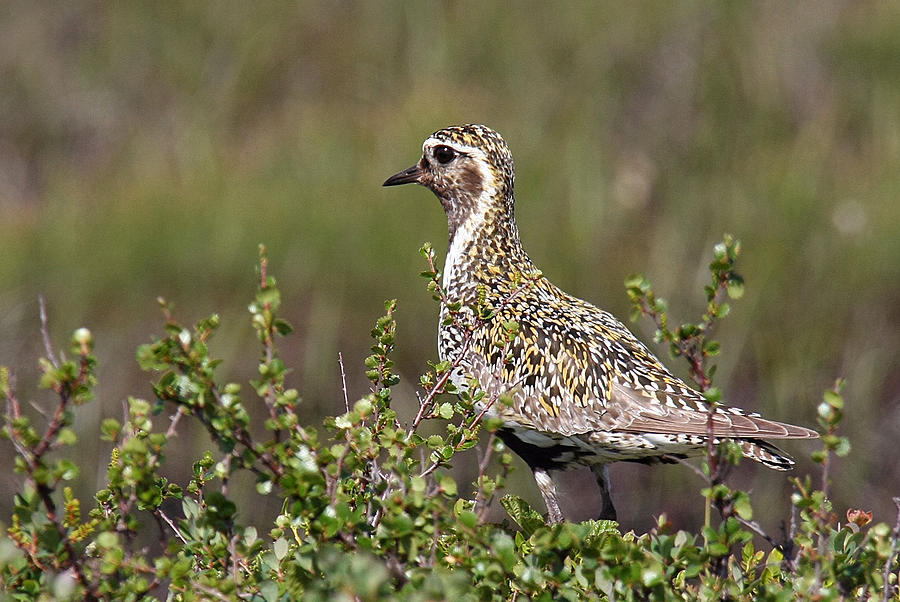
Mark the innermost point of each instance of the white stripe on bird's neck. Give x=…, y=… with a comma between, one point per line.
x=466, y=232
x=460, y=245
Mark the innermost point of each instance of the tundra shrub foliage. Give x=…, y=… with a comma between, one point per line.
x=369, y=509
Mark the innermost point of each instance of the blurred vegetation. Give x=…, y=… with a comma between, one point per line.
x=147, y=148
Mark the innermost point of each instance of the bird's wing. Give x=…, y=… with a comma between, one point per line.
x=643, y=396
x=641, y=410
x=576, y=378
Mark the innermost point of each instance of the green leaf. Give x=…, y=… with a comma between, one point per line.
x=190, y=508
x=280, y=547
x=525, y=516
x=743, y=508
x=687, y=330
x=651, y=577
x=269, y=591
x=467, y=518
x=283, y=327
x=834, y=399
x=711, y=348
x=720, y=251
x=636, y=281
x=735, y=289
x=713, y=395
x=107, y=539
x=448, y=485
x=67, y=436
x=843, y=447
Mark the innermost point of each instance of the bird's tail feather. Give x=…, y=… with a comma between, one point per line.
x=765, y=453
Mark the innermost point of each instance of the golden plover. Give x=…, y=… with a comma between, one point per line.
x=584, y=390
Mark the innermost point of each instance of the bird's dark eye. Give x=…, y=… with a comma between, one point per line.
x=444, y=154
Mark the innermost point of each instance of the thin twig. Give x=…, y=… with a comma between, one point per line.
x=332, y=486
x=45, y=333
x=788, y=534
x=757, y=528
x=464, y=440
x=434, y=539
x=232, y=548
x=895, y=537
x=72, y=558
x=822, y=518
x=56, y=424
x=683, y=462
x=12, y=401
x=174, y=420
x=438, y=387
x=344, y=381
x=209, y=591
x=162, y=515
x=263, y=268
x=482, y=467
x=39, y=410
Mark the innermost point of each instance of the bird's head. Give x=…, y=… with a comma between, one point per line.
x=469, y=168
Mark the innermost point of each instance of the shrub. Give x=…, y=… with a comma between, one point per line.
x=369, y=509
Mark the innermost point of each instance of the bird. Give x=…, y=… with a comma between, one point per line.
x=581, y=389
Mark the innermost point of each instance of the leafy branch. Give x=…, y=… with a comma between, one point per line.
x=368, y=507
x=693, y=342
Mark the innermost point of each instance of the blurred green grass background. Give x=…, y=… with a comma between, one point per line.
x=147, y=148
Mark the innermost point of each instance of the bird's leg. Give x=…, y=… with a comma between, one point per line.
x=601, y=473
x=548, y=491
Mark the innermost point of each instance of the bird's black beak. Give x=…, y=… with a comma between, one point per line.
x=408, y=175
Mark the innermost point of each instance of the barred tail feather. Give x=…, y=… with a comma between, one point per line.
x=765, y=453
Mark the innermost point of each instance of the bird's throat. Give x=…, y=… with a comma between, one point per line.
x=484, y=247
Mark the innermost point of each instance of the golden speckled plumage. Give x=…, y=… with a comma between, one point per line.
x=585, y=391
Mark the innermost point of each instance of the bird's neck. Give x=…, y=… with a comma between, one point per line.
x=485, y=250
